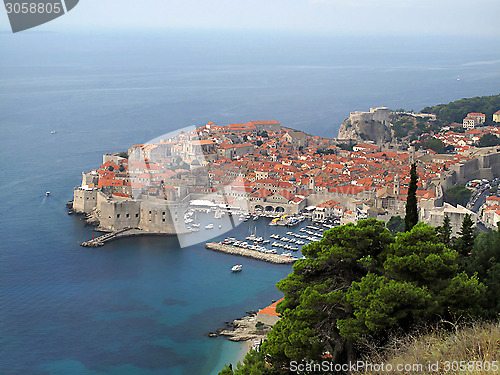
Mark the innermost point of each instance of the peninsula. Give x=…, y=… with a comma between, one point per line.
x=266, y=168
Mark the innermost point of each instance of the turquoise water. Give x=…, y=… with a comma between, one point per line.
x=144, y=306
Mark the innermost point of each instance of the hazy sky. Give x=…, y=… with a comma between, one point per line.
x=472, y=17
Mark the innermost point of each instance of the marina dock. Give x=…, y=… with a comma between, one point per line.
x=233, y=250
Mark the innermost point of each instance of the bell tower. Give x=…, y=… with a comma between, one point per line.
x=312, y=183
x=397, y=185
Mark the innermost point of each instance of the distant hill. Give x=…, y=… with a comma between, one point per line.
x=456, y=111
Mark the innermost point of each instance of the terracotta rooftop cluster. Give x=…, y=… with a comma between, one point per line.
x=283, y=162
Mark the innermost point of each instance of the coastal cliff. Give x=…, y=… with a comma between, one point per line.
x=367, y=126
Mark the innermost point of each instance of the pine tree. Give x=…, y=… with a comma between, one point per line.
x=411, y=217
x=444, y=231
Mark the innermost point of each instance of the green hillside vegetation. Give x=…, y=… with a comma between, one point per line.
x=409, y=127
x=361, y=284
x=457, y=194
x=456, y=111
x=431, y=143
x=488, y=140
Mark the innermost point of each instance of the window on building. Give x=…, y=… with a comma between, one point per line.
x=128, y=215
x=117, y=216
x=136, y=215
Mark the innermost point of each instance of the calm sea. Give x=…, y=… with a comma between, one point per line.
x=144, y=306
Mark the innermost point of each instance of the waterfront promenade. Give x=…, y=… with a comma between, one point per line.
x=271, y=258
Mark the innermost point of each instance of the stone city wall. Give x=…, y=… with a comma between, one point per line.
x=481, y=167
x=119, y=214
x=84, y=200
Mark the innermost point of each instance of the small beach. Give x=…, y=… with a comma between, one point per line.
x=232, y=352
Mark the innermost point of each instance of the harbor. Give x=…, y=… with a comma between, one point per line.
x=204, y=224
x=232, y=250
x=282, y=248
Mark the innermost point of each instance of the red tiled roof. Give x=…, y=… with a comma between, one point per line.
x=227, y=146
x=261, y=193
x=330, y=203
x=263, y=122
x=286, y=194
x=271, y=309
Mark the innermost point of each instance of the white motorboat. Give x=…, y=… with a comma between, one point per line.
x=47, y=193
x=237, y=268
x=219, y=214
x=209, y=226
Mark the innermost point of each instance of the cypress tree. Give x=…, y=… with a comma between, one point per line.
x=444, y=231
x=411, y=217
x=465, y=242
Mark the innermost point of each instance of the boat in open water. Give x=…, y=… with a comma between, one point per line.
x=237, y=268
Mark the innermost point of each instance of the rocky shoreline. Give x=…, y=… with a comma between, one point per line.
x=90, y=218
x=243, y=329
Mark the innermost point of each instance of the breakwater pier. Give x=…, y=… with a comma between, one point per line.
x=101, y=240
x=271, y=258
